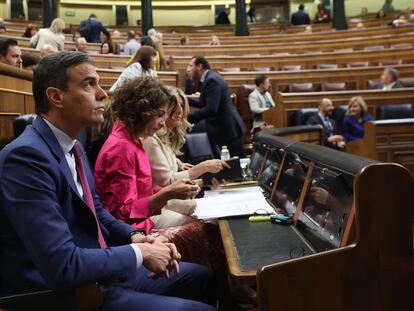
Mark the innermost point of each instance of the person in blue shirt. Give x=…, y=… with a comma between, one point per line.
x=356, y=116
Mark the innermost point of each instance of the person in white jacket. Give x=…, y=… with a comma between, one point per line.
x=260, y=100
x=52, y=35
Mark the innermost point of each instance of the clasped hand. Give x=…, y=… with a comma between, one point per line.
x=160, y=257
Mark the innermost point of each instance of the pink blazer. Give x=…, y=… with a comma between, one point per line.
x=123, y=179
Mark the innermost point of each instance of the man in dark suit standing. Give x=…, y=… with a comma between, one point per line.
x=91, y=29
x=223, y=122
x=300, y=17
x=330, y=129
x=54, y=231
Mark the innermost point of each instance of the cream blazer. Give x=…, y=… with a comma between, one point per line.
x=164, y=163
x=45, y=36
x=257, y=105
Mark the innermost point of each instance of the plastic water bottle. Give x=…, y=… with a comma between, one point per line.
x=225, y=154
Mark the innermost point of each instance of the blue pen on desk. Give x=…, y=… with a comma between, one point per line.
x=259, y=218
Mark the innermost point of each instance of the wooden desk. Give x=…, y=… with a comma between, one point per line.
x=373, y=270
x=387, y=141
x=307, y=61
x=288, y=103
x=251, y=245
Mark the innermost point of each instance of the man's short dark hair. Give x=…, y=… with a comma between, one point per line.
x=4, y=45
x=92, y=15
x=201, y=60
x=52, y=71
x=29, y=59
x=301, y=7
x=260, y=79
x=131, y=34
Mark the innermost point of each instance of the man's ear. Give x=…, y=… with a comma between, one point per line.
x=55, y=96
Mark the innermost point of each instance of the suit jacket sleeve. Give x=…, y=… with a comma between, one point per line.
x=347, y=129
x=194, y=102
x=212, y=97
x=104, y=30
x=30, y=199
x=117, y=230
x=254, y=102
x=123, y=198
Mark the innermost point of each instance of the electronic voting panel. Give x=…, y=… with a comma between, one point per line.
x=270, y=170
x=290, y=184
x=326, y=207
x=257, y=160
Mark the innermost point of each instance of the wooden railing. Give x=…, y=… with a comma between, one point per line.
x=288, y=103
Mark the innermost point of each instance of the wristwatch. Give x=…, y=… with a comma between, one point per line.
x=140, y=231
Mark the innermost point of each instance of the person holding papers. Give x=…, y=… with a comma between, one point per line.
x=124, y=182
x=163, y=147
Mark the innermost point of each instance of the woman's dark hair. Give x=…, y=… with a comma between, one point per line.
x=110, y=46
x=260, y=79
x=143, y=56
x=28, y=31
x=138, y=101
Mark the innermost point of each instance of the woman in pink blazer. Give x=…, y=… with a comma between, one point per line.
x=123, y=173
x=122, y=170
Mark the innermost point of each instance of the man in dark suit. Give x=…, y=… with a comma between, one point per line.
x=223, y=122
x=300, y=17
x=223, y=17
x=389, y=79
x=54, y=232
x=330, y=129
x=91, y=29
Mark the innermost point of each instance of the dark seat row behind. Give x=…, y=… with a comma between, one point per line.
x=338, y=86
x=385, y=112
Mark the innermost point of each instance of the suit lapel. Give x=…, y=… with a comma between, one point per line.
x=262, y=100
x=47, y=135
x=321, y=122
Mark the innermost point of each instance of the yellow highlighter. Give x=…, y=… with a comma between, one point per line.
x=259, y=218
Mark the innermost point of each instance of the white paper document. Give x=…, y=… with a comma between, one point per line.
x=232, y=202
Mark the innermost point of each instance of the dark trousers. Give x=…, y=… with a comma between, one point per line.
x=235, y=145
x=191, y=290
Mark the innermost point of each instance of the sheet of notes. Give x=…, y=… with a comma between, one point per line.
x=232, y=202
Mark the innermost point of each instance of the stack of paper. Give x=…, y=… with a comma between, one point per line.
x=232, y=202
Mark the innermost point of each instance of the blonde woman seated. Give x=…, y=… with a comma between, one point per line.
x=355, y=119
x=163, y=147
x=52, y=35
